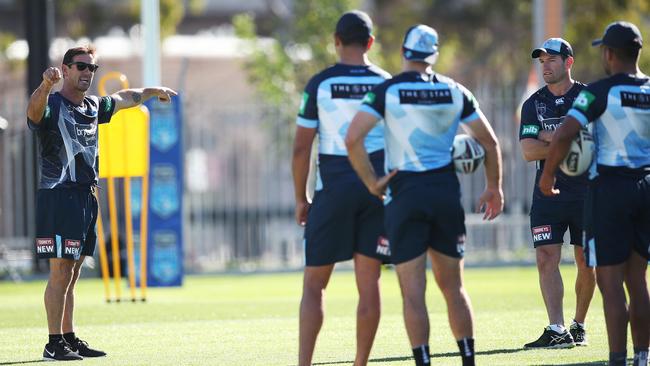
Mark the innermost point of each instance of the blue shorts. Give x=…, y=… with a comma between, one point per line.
x=344, y=219
x=617, y=219
x=549, y=221
x=65, y=223
x=424, y=211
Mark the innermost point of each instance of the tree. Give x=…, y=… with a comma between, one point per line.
x=301, y=48
x=483, y=43
x=171, y=13
x=586, y=20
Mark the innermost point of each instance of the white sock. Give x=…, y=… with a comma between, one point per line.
x=559, y=328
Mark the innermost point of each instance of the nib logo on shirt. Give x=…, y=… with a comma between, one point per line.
x=542, y=233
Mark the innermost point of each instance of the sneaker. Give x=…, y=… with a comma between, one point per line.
x=552, y=339
x=579, y=335
x=81, y=347
x=59, y=351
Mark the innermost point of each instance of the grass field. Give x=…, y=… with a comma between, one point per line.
x=252, y=320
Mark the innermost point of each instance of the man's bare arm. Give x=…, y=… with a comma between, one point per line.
x=533, y=149
x=492, y=198
x=38, y=99
x=300, y=169
x=559, y=148
x=361, y=124
x=128, y=98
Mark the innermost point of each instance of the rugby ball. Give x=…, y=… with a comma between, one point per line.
x=580, y=155
x=467, y=154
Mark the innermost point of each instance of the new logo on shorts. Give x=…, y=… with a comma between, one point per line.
x=541, y=233
x=72, y=247
x=383, y=246
x=44, y=245
x=460, y=244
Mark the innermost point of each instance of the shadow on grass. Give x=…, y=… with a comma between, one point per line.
x=433, y=356
x=20, y=362
x=592, y=363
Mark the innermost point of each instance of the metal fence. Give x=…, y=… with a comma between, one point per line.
x=238, y=201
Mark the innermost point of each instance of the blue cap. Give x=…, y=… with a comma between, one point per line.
x=420, y=42
x=554, y=46
x=354, y=24
x=621, y=35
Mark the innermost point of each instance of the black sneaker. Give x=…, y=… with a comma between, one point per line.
x=552, y=339
x=579, y=334
x=81, y=347
x=59, y=351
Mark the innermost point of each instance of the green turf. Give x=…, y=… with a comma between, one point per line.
x=252, y=320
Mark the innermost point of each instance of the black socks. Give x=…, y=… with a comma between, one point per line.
x=421, y=355
x=54, y=338
x=69, y=337
x=466, y=347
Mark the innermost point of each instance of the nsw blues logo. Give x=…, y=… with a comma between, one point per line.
x=166, y=257
x=165, y=200
x=164, y=129
x=541, y=110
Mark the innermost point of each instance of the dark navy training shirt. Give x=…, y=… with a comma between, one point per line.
x=544, y=111
x=67, y=136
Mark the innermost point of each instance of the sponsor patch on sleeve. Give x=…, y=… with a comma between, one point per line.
x=584, y=100
x=44, y=245
x=369, y=98
x=530, y=130
x=108, y=104
x=541, y=233
x=303, y=103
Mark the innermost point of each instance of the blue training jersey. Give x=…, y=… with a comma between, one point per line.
x=544, y=111
x=619, y=106
x=421, y=114
x=67, y=135
x=330, y=101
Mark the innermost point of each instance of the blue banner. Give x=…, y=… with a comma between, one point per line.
x=165, y=239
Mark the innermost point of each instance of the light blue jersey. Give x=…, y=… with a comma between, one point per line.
x=421, y=114
x=330, y=101
x=619, y=106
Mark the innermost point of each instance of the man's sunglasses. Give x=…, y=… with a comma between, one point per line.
x=81, y=66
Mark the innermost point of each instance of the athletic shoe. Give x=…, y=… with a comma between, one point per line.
x=579, y=334
x=59, y=351
x=552, y=339
x=82, y=348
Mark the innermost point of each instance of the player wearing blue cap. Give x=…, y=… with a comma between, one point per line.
x=344, y=221
x=617, y=210
x=422, y=111
x=550, y=217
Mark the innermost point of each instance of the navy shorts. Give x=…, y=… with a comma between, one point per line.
x=549, y=221
x=423, y=210
x=617, y=219
x=344, y=219
x=65, y=223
